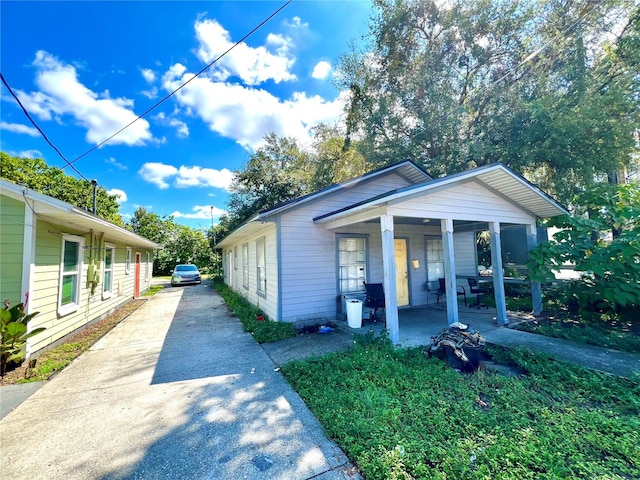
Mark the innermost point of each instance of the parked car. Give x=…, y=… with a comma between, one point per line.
x=184, y=274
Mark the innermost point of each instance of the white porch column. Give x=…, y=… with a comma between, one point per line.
x=389, y=278
x=498, y=276
x=536, y=288
x=446, y=224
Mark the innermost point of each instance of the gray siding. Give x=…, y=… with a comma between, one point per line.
x=269, y=302
x=308, y=264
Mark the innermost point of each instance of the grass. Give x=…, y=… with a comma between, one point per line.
x=263, y=331
x=620, y=331
x=152, y=290
x=617, y=330
x=400, y=415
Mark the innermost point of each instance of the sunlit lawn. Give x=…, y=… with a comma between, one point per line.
x=398, y=415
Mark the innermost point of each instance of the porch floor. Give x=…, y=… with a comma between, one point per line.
x=418, y=324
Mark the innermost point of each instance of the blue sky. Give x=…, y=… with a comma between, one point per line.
x=84, y=69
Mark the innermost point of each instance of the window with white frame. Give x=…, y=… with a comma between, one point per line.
x=127, y=262
x=245, y=265
x=260, y=266
x=70, y=274
x=107, y=275
x=146, y=268
x=435, y=260
x=352, y=263
x=235, y=258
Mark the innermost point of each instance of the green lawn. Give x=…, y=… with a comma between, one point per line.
x=399, y=415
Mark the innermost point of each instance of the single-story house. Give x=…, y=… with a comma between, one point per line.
x=75, y=267
x=396, y=226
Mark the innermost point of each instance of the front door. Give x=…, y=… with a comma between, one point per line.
x=402, y=271
x=136, y=281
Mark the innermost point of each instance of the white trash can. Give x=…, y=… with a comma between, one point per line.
x=354, y=313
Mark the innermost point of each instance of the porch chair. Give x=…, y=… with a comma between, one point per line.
x=475, y=289
x=442, y=291
x=374, y=299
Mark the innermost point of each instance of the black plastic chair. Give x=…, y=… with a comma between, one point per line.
x=442, y=291
x=374, y=299
x=475, y=289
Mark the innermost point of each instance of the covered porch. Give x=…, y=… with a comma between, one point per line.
x=418, y=324
x=448, y=210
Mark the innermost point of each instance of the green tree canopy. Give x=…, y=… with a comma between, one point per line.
x=533, y=84
x=181, y=244
x=37, y=175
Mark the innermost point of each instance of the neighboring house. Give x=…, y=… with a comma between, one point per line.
x=74, y=266
x=396, y=226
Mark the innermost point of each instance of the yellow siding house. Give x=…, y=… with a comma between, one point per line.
x=72, y=266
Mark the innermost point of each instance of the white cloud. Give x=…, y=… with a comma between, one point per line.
x=156, y=173
x=321, y=70
x=202, y=212
x=252, y=65
x=61, y=93
x=120, y=194
x=160, y=174
x=19, y=128
x=204, y=177
x=148, y=75
x=150, y=94
x=115, y=163
x=27, y=154
x=181, y=127
x=248, y=114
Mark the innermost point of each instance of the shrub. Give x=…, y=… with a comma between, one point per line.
x=14, y=329
x=611, y=268
x=263, y=331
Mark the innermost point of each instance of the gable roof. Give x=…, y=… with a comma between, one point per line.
x=406, y=169
x=497, y=177
x=56, y=211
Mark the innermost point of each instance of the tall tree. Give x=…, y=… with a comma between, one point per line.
x=37, y=175
x=458, y=84
x=334, y=158
x=278, y=171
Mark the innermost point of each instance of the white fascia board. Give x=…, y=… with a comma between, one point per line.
x=45, y=205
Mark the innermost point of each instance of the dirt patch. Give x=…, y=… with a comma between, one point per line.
x=72, y=347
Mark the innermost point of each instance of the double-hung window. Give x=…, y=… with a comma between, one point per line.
x=435, y=261
x=70, y=274
x=107, y=276
x=352, y=263
x=127, y=262
x=260, y=266
x=245, y=265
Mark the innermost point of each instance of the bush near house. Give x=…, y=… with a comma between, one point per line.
x=400, y=415
x=610, y=266
x=603, y=306
x=264, y=330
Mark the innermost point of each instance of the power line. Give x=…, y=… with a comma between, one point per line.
x=68, y=163
x=146, y=112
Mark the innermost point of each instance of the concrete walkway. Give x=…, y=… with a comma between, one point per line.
x=175, y=391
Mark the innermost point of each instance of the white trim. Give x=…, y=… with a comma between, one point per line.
x=28, y=254
x=71, y=307
x=108, y=292
x=127, y=261
x=261, y=277
x=46, y=208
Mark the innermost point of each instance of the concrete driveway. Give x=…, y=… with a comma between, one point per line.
x=176, y=391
